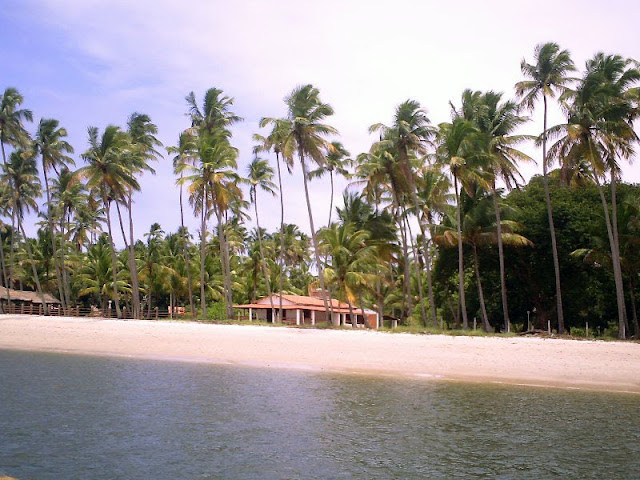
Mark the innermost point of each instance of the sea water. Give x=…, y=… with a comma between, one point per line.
x=85, y=417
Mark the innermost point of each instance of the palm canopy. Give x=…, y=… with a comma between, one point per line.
x=305, y=113
x=336, y=160
x=12, y=118
x=546, y=76
x=600, y=114
x=260, y=175
x=106, y=167
x=50, y=143
x=20, y=175
x=215, y=114
x=142, y=135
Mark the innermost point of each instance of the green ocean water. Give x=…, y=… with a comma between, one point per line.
x=84, y=417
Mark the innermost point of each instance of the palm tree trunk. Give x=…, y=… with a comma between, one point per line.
x=53, y=238
x=463, y=301
x=615, y=260
x=403, y=238
x=33, y=266
x=224, y=258
x=4, y=269
x=483, y=308
x=150, y=291
x=503, y=281
x=552, y=230
x=263, y=262
x=281, y=258
x=135, y=285
x=114, y=265
x=427, y=259
x=203, y=244
x=634, y=312
x=313, y=236
x=187, y=261
x=331, y=201
x=11, y=256
x=416, y=263
x=364, y=315
x=65, y=275
x=617, y=269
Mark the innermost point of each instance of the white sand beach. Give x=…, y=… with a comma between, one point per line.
x=549, y=362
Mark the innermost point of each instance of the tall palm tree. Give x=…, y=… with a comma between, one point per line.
x=260, y=175
x=547, y=77
x=306, y=135
x=409, y=137
x=496, y=122
x=12, y=132
x=142, y=135
x=21, y=175
x=455, y=146
x=52, y=147
x=600, y=130
x=276, y=141
x=183, y=156
x=112, y=176
x=337, y=160
x=218, y=158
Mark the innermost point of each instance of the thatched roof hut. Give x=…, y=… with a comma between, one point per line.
x=26, y=297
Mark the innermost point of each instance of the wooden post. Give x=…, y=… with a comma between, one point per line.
x=250, y=314
x=313, y=317
x=587, y=330
x=549, y=327
x=124, y=312
x=156, y=309
x=475, y=323
x=297, y=316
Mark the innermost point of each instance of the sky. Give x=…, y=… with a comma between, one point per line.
x=93, y=63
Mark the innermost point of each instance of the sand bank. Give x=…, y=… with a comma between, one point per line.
x=590, y=365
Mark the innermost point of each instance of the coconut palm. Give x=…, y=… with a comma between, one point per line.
x=352, y=263
x=547, y=77
x=600, y=130
x=142, y=135
x=112, y=176
x=260, y=175
x=183, y=156
x=12, y=118
x=496, y=121
x=21, y=176
x=50, y=144
x=336, y=161
x=408, y=138
x=306, y=136
x=455, y=149
x=276, y=141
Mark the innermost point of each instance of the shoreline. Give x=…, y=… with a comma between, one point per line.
x=535, y=362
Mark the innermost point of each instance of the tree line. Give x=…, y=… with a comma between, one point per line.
x=437, y=225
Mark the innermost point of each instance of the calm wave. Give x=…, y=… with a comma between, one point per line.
x=83, y=417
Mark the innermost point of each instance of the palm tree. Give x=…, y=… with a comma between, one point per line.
x=306, y=135
x=21, y=176
x=260, y=174
x=496, y=123
x=183, y=156
x=143, y=149
x=276, y=141
x=600, y=130
x=336, y=161
x=50, y=144
x=111, y=175
x=409, y=137
x=454, y=148
x=12, y=132
x=353, y=263
x=547, y=77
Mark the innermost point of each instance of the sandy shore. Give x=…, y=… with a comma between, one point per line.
x=590, y=365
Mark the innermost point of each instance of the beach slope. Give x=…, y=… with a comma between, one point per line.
x=589, y=365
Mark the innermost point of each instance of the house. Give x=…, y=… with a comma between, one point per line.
x=24, y=301
x=306, y=310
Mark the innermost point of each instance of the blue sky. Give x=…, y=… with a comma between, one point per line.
x=91, y=62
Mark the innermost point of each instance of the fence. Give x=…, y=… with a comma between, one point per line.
x=33, y=309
